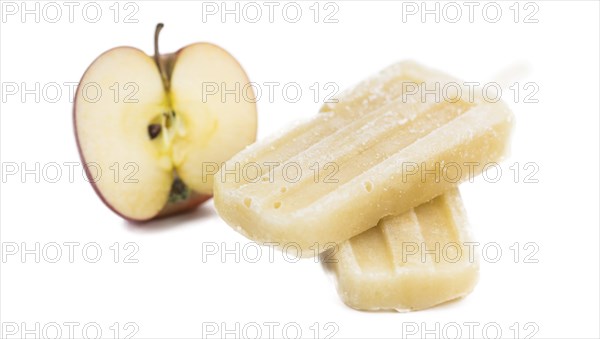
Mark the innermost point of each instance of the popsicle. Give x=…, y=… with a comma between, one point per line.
x=376, y=152
x=410, y=261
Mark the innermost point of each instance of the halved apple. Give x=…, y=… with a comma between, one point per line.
x=145, y=126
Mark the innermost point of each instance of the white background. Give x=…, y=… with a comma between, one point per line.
x=172, y=293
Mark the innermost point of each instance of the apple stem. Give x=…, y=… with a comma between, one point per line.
x=161, y=68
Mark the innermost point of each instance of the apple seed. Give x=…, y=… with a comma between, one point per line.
x=154, y=130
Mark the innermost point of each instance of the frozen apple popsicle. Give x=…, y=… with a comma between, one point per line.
x=378, y=151
x=410, y=261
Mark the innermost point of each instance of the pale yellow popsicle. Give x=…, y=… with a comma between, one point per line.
x=376, y=152
x=410, y=261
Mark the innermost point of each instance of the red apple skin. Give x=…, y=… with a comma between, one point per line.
x=194, y=201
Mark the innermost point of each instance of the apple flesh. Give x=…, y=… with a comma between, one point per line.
x=145, y=150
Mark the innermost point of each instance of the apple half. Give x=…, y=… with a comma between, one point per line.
x=145, y=127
